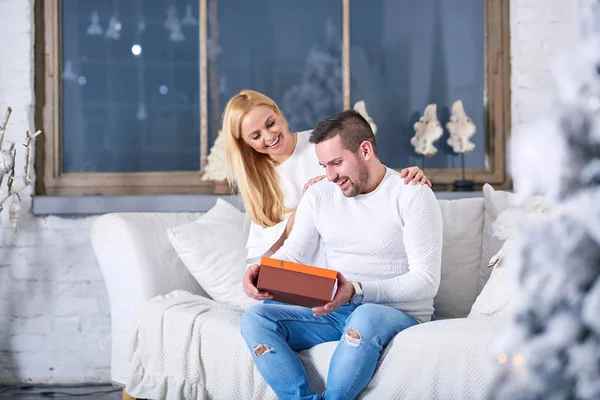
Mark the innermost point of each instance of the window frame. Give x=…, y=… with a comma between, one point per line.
x=497, y=99
x=48, y=114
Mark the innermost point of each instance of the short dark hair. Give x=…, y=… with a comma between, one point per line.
x=352, y=127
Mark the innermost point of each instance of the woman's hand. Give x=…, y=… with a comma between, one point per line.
x=285, y=234
x=290, y=222
x=416, y=175
x=249, y=284
x=312, y=182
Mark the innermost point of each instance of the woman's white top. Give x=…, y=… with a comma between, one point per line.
x=293, y=175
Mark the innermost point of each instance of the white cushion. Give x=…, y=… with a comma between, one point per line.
x=213, y=250
x=498, y=292
x=461, y=257
x=495, y=201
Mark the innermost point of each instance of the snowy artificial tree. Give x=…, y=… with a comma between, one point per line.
x=319, y=94
x=216, y=166
x=551, y=346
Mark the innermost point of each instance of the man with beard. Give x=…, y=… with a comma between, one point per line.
x=384, y=238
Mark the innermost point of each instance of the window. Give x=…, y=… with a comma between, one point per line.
x=130, y=93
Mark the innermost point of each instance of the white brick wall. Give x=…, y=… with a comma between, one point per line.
x=54, y=306
x=54, y=309
x=540, y=30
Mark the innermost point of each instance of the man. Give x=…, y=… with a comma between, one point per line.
x=384, y=237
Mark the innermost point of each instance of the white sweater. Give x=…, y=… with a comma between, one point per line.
x=390, y=240
x=302, y=166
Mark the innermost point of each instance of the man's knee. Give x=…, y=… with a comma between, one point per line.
x=261, y=349
x=352, y=337
x=373, y=320
x=251, y=318
x=254, y=317
x=368, y=315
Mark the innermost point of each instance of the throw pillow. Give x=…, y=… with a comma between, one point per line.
x=461, y=257
x=498, y=292
x=495, y=201
x=213, y=250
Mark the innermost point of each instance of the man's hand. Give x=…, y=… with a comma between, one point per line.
x=344, y=293
x=415, y=175
x=249, y=284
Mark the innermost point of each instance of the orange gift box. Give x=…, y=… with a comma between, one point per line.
x=298, y=284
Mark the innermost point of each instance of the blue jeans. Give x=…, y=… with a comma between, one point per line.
x=275, y=331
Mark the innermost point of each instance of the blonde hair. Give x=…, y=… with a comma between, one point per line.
x=251, y=172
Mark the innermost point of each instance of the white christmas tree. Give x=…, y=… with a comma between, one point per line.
x=216, y=167
x=551, y=345
x=319, y=93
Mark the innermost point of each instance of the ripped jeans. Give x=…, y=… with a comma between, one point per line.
x=275, y=331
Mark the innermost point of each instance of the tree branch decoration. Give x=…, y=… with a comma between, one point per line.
x=7, y=168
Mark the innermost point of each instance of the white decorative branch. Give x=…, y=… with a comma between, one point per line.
x=7, y=167
x=3, y=126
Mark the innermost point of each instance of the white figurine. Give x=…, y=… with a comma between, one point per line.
x=427, y=130
x=461, y=129
x=361, y=107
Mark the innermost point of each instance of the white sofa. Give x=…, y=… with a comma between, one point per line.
x=450, y=358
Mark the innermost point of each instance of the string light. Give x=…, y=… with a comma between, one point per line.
x=518, y=360
x=502, y=358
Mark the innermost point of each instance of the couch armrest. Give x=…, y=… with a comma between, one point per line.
x=137, y=263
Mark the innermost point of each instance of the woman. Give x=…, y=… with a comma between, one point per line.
x=271, y=169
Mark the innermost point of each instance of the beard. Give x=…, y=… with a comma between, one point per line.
x=361, y=182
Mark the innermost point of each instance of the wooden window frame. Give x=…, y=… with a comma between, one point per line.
x=48, y=115
x=497, y=105
x=48, y=87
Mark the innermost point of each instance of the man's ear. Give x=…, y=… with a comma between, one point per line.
x=366, y=150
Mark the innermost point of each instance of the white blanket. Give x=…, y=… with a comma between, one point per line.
x=189, y=347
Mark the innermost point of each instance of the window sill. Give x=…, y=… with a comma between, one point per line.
x=91, y=205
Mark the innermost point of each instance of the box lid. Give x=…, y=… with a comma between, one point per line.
x=296, y=267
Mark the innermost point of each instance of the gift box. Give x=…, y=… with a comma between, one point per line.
x=298, y=284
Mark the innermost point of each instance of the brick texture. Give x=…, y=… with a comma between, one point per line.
x=54, y=306
x=541, y=30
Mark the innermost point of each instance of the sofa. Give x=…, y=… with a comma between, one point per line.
x=172, y=340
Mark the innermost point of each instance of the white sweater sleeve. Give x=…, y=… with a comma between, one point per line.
x=422, y=238
x=303, y=242
x=260, y=240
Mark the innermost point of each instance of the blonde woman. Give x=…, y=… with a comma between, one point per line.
x=271, y=168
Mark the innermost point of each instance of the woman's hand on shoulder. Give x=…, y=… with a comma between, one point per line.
x=312, y=182
x=416, y=175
